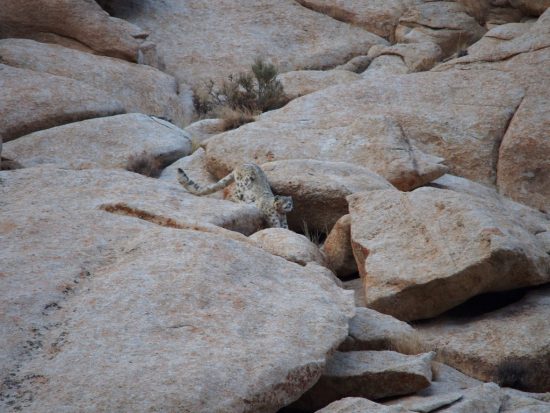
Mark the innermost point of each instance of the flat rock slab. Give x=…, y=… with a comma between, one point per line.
x=371, y=330
x=203, y=40
x=423, y=252
x=139, y=88
x=108, y=142
x=301, y=82
x=444, y=23
x=509, y=346
x=30, y=101
x=360, y=405
x=387, y=124
x=319, y=189
x=375, y=142
x=77, y=23
x=94, y=321
x=289, y=245
x=377, y=16
x=368, y=374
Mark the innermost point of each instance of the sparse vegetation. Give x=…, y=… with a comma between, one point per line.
x=241, y=97
x=145, y=164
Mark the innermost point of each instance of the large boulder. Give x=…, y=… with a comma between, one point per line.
x=348, y=134
x=371, y=330
x=377, y=16
x=92, y=320
x=360, y=405
x=531, y=7
x=79, y=24
x=444, y=23
x=417, y=56
x=289, y=245
x=423, y=252
x=30, y=101
x=301, y=82
x=337, y=248
x=138, y=88
x=509, y=345
x=209, y=40
x=319, y=189
x=387, y=123
x=368, y=374
x=109, y=142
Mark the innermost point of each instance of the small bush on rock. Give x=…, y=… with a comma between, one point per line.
x=241, y=96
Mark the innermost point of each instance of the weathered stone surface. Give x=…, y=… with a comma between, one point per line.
x=337, y=248
x=368, y=374
x=203, y=129
x=377, y=16
x=195, y=165
x=357, y=65
x=301, y=82
x=444, y=23
x=289, y=245
x=459, y=115
x=108, y=142
x=303, y=129
x=138, y=88
x=72, y=22
x=524, y=155
x=356, y=285
x=417, y=56
x=423, y=252
x=85, y=316
x=371, y=330
x=532, y=40
x=486, y=398
x=448, y=385
x=359, y=405
x=498, y=16
x=204, y=40
x=516, y=401
x=319, y=189
x=385, y=65
x=508, y=346
x=31, y=101
x=532, y=7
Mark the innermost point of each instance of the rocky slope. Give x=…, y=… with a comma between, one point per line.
x=414, y=276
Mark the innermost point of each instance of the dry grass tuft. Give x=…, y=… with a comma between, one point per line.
x=145, y=164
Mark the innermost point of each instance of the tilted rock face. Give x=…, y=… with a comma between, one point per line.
x=93, y=322
x=301, y=82
x=346, y=134
x=423, y=252
x=524, y=156
x=108, y=142
x=523, y=52
x=319, y=189
x=459, y=115
x=31, y=101
x=80, y=20
x=509, y=346
x=368, y=374
x=385, y=65
x=444, y=23
x=532, y=7
x=486, y=398
x=289, y=245
x=138, y=88
x=377, y=16
x=204, y=40
x=417, y=56
x=371, y=330
x=337, y=248
x=359, y=405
